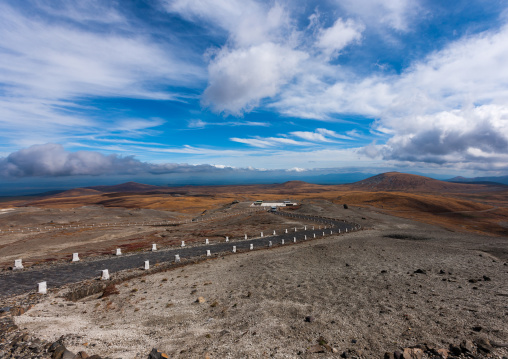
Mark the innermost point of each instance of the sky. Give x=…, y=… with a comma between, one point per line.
x=188, y=91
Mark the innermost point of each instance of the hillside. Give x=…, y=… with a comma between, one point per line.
x=404, y=182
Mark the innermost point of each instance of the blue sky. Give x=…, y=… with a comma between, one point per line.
x=165, y=90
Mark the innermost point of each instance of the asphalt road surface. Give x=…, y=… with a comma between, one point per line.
x=23, y=281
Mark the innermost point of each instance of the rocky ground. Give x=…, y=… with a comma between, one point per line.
x=398, y=289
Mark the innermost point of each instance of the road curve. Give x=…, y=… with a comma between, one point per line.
x=23, y=281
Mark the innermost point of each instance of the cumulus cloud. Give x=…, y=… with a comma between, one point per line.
x=333, y=39
x=52, y=160
x=476, y=135
x=240, y=78
x=265, y=52
x=449, y=107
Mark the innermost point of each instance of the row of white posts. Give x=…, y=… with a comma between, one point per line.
x=18, y=264
x=42, y=286
x=38, y=229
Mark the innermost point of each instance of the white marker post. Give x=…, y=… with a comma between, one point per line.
x=75, y=257
x=208, y=253
x=295, y=229
x=294, y=239
x=118, y=252
x=245, y=235
x=227, y=239
x=312, y=227
x=331, y=232
x=183, y=243
x=323, y=233
x=234, y=249
x=42, y=287
x=305, y=237
x=282, y=241
x=147, y=265
x=274, y=233
x=154, y=247
x=207, y=241
x=18, y=264
x=270, y=244
x=261, y=234
x=286, y=230
x=251, y=246
x=105, y=274
x=339, y=230
x=305, y=227
x=314, y=235
x=346, y=230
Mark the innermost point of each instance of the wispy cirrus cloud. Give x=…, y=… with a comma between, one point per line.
x=265, y=142
x=200, y=124
x=50, y=63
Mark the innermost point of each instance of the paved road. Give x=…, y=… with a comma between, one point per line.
x=18, y=282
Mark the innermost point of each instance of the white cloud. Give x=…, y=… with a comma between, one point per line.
x=453, y=95
x=265, y=142
x=240, y=78
x=199, y=124
x=247, y=22
x=310, y=136
x=395, y=14
x=266, y=51
x=333, y=39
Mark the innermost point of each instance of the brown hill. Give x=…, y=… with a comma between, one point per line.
x=77, y=192
x=404, y=182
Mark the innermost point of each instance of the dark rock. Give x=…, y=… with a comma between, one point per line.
x=455, y=350
x=398, y=355
x=156, y=354
x=484, y=345
x=485, y=278
x=442, y=272
x=95, y=357
x=477, y=328
x=420, y=271
x=58, y=352
x=54, y=346
x=467, y=346
x=473, y=281
x=388, y=355
x=309, y=319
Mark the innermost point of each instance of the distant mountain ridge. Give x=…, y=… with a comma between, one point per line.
x=492, y=179
x=390, y=182
x=126, y=187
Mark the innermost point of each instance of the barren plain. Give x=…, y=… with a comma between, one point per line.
x=437, y=282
